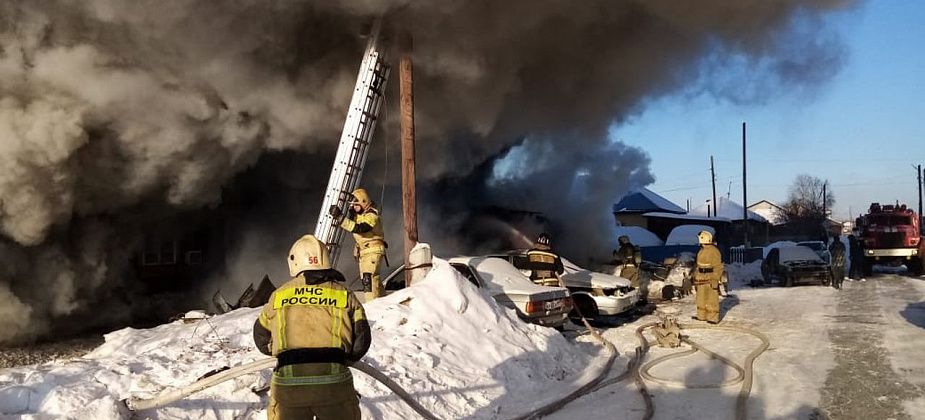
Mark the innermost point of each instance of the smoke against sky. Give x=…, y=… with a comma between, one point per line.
x=114, y=113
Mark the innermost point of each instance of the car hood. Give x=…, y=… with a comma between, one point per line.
x=587, y=278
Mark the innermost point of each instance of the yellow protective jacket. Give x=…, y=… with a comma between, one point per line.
x=367, y=232
x=543, y=263
x=709, y=266
x=314, y=326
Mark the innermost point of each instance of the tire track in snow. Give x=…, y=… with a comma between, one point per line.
x=862, y=385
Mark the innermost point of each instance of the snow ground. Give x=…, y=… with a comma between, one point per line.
x=463, y=356
x=444, y=341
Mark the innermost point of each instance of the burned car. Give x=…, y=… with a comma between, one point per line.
x=541, y=305
x=789, y=265
x=595, y=294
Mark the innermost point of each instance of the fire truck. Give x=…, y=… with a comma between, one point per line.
x=891, y=234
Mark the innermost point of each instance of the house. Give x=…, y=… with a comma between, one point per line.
x=630, y=209
x=768, y=210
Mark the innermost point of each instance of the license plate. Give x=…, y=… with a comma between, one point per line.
x=552, y=304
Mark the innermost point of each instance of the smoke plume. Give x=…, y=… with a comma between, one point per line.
x=118, y=116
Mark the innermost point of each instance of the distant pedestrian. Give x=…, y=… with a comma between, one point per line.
x=837, y=250
x=855, y=271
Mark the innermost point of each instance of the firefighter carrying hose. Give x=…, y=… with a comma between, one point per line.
x=314, y=326
x=707, y=277
x=363, y=221
x=544, y=264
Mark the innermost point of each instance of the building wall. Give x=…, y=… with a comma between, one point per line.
x=631, y=219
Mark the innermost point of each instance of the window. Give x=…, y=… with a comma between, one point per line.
x=467, y=273
x=194, y=257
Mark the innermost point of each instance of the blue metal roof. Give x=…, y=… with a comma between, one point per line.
x=643, y=201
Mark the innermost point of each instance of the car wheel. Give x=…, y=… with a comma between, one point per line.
x=584, y=305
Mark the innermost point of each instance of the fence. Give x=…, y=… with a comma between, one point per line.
x=745, y=255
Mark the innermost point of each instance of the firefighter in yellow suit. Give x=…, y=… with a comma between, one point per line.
x=707, y=276
x=315, y=327
x=544, y=264
x=363, y=221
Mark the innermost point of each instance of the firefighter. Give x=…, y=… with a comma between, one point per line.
x=363, y=221
x=544, y=264
x=314, y=327
x=628, y=259
x=709, y=272
x=837, y=251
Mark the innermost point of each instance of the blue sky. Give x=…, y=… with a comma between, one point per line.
x=862, y=130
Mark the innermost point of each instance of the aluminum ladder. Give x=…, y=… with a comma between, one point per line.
x=356, y=136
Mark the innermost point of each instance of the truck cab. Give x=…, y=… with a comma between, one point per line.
x=891, y=234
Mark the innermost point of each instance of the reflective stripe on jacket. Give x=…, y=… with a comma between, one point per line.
x=323, y=315
x=367, y=232
x=709, y=266
x=543, y=263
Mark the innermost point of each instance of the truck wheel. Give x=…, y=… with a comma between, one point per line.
x=916, y=266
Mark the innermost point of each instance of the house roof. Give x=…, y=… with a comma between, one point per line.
x=643, y=200
x=727, y=209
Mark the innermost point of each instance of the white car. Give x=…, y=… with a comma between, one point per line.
x=608, y=294
x=595, y=294
x=547, y=306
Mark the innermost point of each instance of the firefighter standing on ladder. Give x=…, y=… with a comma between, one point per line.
x=314, y=326
x=363, y=221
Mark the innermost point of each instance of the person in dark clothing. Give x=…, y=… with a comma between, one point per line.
x=837, y=250
x=857, y=258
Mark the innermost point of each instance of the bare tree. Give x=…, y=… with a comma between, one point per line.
x=804, y=203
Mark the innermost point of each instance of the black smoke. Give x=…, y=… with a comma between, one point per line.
x=126, y=119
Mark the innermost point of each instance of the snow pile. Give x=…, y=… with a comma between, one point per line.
x=687, y=234
x=743, y=274
x=778, y=244
x=446, y=342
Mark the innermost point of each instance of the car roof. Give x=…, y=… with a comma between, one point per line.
x=503, y=277
x=798, y=253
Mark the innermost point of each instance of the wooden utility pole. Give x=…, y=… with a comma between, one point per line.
x=824, y=197
x=713, y=180
x=920, y=191
x=744, y=193
x=409, y=199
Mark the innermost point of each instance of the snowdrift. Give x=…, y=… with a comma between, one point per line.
x=448, y=344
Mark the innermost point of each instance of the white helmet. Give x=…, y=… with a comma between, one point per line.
x=705, y=237
x=308, y=253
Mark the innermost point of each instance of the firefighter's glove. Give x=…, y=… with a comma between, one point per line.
x=335, y=211
x=337, y=214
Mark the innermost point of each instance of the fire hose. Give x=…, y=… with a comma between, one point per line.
x=638, y=371
x=634, y=368
x=137, y=404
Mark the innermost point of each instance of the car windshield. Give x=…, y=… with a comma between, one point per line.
x=798, y=253
x=815, y=246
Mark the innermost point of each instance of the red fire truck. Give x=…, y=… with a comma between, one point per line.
x=891, y=235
